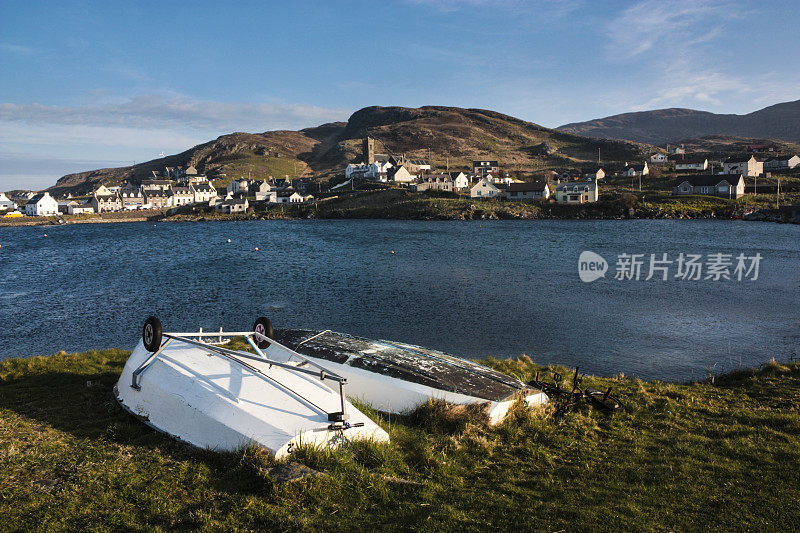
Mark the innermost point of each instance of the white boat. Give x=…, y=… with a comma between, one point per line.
x=212, y=397
x=396, y=377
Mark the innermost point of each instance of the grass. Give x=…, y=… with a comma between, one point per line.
x=720, y=454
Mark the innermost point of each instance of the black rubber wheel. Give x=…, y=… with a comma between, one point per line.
x=264, y=327
x=603, y=400
x=151, y=334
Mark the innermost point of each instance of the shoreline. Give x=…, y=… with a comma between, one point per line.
x=759, y=216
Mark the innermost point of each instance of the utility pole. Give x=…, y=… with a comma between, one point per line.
x=778, y=195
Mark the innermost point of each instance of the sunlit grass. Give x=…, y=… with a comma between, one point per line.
x=718, y=454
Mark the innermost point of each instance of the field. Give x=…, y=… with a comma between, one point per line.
x=720, y=454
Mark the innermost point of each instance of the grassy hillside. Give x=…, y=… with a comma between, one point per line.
x=445, y=135
x=780, y=121
x=716, y=455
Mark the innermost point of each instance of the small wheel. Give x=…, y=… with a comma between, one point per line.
x=263, y=326
x=151, y=334
x=604, y=400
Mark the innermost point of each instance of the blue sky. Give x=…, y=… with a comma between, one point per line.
x=91, y=84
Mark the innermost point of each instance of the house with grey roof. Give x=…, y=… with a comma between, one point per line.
x=234, y=205
x=486, y=189
x=41, y=205
x=529, y=190
x=782, y=162
x=744, y=165
x=684, y=163
x=433, y=182
x=182, y=196
x=724, y=185
x=6, y=204
x=131, y=197
x=634, y=171
x=577, y=192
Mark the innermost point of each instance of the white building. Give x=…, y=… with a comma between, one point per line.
x=377, y=168
x=528, y=191
x=203, y=192
x=289, y=197
x=726, y=186
x=781, y=162
x=657, y=158
x=692, y=163
x=6, y=204
x=577, y=192
x=41, y=205
x=460, y=181
x=402, y=175
x=80, y=209
x=233, y=206
x=743, y=165
x=633, y=171
x=356, y=170
x=485, y=189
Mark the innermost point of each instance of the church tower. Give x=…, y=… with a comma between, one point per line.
x=369, y=150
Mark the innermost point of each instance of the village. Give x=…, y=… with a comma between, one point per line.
x=728, y=177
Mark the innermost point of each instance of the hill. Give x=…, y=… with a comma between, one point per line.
x=445, y=135
x=780, y=121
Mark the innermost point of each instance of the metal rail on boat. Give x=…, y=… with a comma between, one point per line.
x=152, y=335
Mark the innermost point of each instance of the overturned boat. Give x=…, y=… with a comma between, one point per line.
x=397, y=377
x=198, y=391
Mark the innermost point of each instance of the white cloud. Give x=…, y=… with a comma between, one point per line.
x=64, y=139
x=668, y=27
x=17, y=49
x=154, y=111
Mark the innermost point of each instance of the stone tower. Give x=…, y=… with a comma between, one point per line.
x=369, y=150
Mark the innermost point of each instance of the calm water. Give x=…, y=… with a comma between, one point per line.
x=473, y=289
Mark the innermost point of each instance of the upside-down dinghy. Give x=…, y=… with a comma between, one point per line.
x=213, y=397
x=396, y=377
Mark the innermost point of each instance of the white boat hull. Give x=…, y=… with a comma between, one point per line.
x=213, y=402
x=396, y=395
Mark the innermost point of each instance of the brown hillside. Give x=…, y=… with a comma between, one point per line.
x=443, y=134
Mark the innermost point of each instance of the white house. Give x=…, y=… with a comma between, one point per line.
x=80, y=209
x=289, y=197
x=41, y=205
x=595, y=173
x=657, y=158
x=485, y=189
x=781, y=162
x=240, y=185
x=460, y=181
x=402, y=175
x=633, y=171
x=182, y=196
x=692, y=163
x=203, y=192
x=377, y=168
x=743, y=165
x=577, y=192
x=528, y=190
x=105, y=202
x=726, y=186
x=6, y=204
x=132, y=198
x=356, y=170
x=233, y=206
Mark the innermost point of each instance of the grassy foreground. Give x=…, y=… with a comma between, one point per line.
x=715, y=455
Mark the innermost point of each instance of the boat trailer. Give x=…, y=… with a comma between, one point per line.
x=154, y=341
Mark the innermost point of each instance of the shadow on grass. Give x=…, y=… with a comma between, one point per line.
x=82, y=404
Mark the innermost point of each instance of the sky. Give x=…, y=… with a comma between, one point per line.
x=87, y=85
